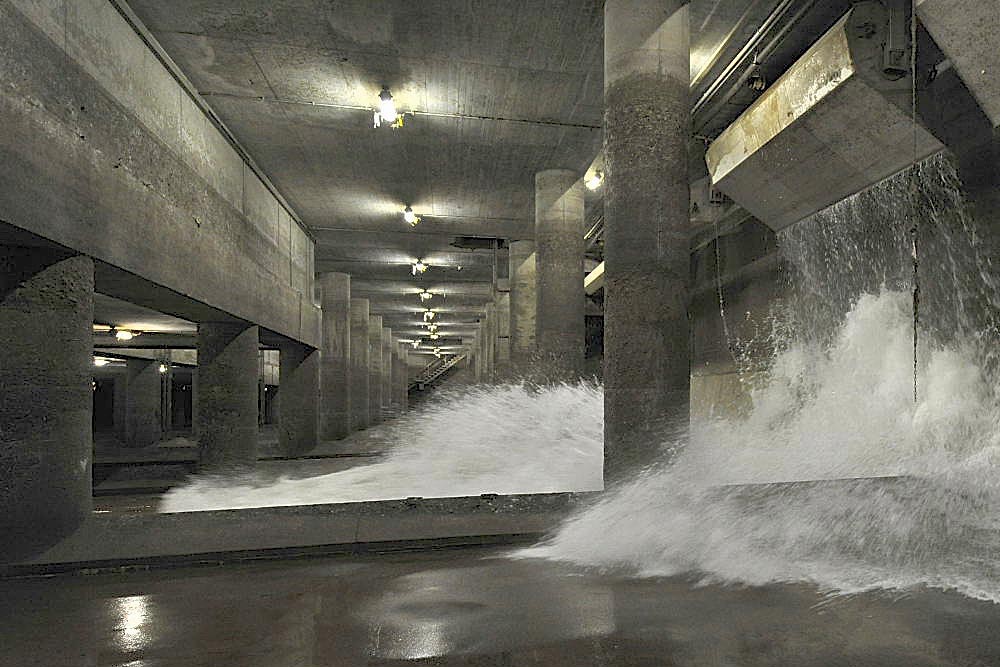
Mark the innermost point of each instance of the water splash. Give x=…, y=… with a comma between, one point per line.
x=501, y=439
x=835, y=476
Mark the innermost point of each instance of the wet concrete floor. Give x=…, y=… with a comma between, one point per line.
x=470, y=607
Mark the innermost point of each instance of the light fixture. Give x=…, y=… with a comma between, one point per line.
x=595, y=181
x=125, y=334
x=434, y=336
x=386, y=112
x=410, y=217
x=416, y=344
x=425, y=295
x=163, y=368
x=418, y=267
x=432, y=327
x=429, y=315
x=101, y=361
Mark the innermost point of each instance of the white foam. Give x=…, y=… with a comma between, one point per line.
x=843, y=412
x=486, y=439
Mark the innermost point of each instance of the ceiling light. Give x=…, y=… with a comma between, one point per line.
x=418, y=267
x=425, y=295
x=125, y=334
x=410, y=217
x=386, y=112
x=163, y=368
x=429, y=315
x=101, y=361
x=595, y=181
x=416, y=343
x=435, y=336
x=432, y=327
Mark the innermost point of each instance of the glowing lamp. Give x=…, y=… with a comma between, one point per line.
x=595, y=181
x=410, y=217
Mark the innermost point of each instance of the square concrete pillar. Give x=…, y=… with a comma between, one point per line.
x=298, y=394
x=374, y=369
x=227, y=394
x=360, y=359
x=142, y=402
x=386, y=372
x=46, y=402
x=335, y=359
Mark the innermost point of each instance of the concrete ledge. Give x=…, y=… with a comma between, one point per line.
x=123, y=540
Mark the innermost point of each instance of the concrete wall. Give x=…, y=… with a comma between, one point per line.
x=104, y=152
x=726, y=357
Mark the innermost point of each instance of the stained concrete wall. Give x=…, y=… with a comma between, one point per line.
x=104, y=152
x=728, y=355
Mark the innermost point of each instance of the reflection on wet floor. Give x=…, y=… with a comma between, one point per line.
x=471, y=608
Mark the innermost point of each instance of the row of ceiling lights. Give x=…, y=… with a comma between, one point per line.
x=386, y=114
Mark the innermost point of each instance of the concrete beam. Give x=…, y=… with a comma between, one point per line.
x=133, y=186
x=829, y=127
x=968, y=32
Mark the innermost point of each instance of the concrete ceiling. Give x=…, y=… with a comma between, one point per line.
x=501, y=90
x=498, y=91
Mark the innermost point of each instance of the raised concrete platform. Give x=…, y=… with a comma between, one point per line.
x=147, y=539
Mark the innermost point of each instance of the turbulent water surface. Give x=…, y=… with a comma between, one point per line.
x=503, y=439
x=834, y=476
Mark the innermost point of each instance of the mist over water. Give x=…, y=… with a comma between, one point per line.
x=835, y=476
x=485, y=439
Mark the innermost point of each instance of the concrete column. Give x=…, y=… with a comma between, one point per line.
x=477, y=353
x=142, y=399
x=228, y=377
x=298, y=394
x=386, y=372
x=492, y=341
x=646, y=132
x=560, y=297
x=400, y=377
x=335, y=356
x=483, y=352
x=523, y=285
x=46, y=403
x=503, y=333
x=360, y=356
x=375, y=369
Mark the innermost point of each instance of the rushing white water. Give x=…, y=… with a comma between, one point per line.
x=835, y=476
x=503, y=439
x=844, y=412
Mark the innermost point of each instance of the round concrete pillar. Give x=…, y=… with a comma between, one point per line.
x=335, y=357
x=298, y=391
x=522, y=303
x=360, y=356
x=227, y=394
x=647, y=229
x=46, y=368
x=559, y=251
